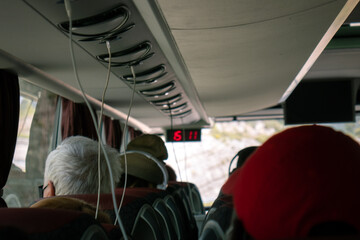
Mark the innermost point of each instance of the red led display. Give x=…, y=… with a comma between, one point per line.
x=183, y=135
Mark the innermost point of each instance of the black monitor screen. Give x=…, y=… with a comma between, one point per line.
x=320, y=102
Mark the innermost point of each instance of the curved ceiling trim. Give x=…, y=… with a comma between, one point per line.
x=334, y=27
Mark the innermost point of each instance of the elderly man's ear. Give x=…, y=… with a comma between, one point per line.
x=49, y=190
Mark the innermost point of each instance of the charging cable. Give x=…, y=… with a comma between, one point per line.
x=100, y=124
x=125, y=137
x=186, y=173
x=69, y=13
x=172, y=144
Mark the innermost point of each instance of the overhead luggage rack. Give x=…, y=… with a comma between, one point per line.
x=132, y=44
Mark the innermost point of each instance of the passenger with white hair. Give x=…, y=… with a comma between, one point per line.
x=72, y=168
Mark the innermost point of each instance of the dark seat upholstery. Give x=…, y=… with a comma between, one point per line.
x=191, y=192
x=147, y=226
x=187, y=219
x=130, y=208
x=48, y=224
x=177, y=218
x=165, y=218
x=218, y=220
x=149, y=194
x=137, y=214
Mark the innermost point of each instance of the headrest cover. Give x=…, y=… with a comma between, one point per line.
x=151, y=144
x=141, y=166
x=300, y=177
x=244, y=154
x=228, y=186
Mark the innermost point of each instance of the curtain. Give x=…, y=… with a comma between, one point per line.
x=9, y=120
x=113, y=132
x=134, y=133
x=76, y=120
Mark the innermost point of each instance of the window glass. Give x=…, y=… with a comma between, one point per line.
x=36, y=123
x=206, y=163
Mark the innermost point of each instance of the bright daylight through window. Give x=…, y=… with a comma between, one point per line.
x=206, y=163
x=36, y=122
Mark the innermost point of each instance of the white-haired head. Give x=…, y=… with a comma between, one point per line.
x=73, y=167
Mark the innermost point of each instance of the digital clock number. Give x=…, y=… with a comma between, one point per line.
x=178, y=136
x=183, y=135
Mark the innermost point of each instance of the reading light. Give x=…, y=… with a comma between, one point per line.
x=162, y=90
x=148, y=76
x=101, y=24
x=128, y=56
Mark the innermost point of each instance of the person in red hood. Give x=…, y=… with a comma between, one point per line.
x=301, y=182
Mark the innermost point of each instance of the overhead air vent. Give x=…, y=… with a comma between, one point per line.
x=103, y=24
x=110, y=37
x=168, y=101
x=137, y=40
x=148, y=76
x=162, y=90
x=129, y=56
x=175, y=110
x=181, y=115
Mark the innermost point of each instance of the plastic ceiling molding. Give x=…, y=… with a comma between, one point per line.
x=339, y=20
x=112, y=21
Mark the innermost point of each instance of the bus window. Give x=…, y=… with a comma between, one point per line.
x=35, y=130
x=206, y=163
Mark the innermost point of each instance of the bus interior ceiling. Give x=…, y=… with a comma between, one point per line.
x=190, y=64
x=208, y=59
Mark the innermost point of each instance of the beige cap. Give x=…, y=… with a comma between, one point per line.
x=141, y=165
x=151, y=144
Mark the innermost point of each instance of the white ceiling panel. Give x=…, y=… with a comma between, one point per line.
x=246, y=49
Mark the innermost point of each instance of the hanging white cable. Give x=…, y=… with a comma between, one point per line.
x=100, y=124
x=69, y=13
x=172, y=144
x=124, y=138
x=184, y=145
x=185, y=166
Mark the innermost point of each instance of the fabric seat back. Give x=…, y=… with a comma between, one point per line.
x=30, y=223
